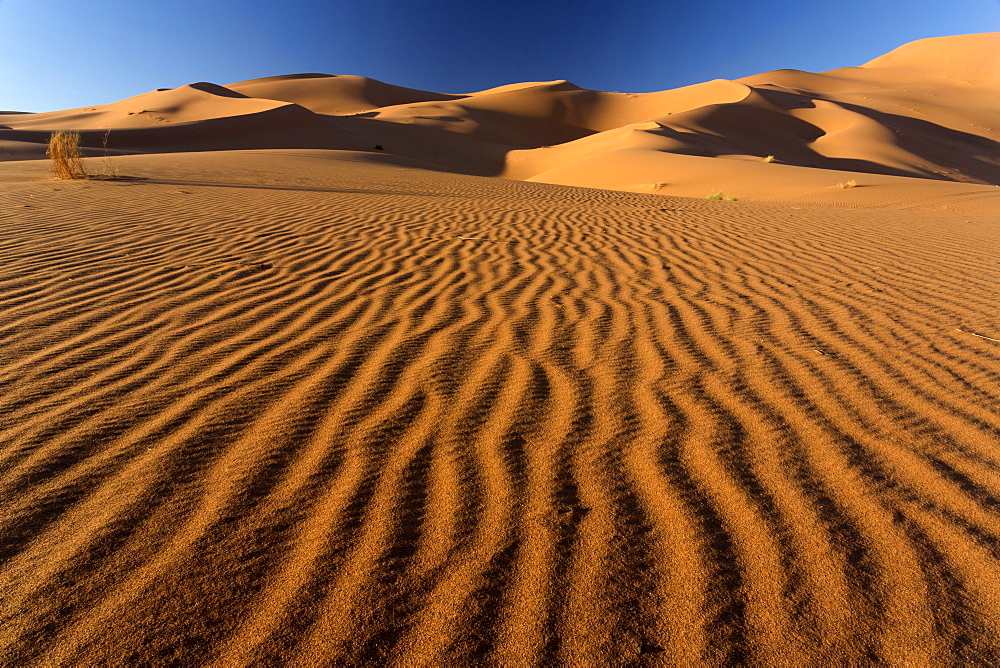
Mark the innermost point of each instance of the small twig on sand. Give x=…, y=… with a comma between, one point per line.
x=474, y=238
x=110, y=169
x=988, y=338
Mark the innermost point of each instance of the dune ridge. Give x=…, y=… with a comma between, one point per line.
x=926, y=110
x=347, y=409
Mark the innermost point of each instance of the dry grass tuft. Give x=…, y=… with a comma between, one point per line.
x=110, y=168
x=64, y=149
x=769, y=158
x=850, y=184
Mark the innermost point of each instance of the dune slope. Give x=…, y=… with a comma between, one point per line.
x=926, y=110
x=333, y=94
x=296, y=406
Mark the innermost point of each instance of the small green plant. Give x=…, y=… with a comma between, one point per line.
x=718, y=194
x=64, y=150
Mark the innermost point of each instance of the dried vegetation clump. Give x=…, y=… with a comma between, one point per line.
x=64, y=150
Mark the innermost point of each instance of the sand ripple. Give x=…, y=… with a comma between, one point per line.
x=374, y=414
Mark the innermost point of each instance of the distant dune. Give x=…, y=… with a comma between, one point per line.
x=314, y=387
x=926, y=110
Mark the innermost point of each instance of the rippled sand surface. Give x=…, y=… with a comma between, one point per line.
x=296, y=406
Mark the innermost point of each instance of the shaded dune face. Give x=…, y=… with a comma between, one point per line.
x=268, y=408
x=338, y=95
x=925, y=110
x=831, y=135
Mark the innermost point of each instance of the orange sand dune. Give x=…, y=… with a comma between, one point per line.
x=332, y=94
x=187, y=104
x=926, y=110
x=312, y=386
x=897, y=115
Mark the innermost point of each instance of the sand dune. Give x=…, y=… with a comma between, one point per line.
x=330, y=94
x=967, y=58
x=188, y=104
x=310, y=401
x=900, y=115
x=926, y=110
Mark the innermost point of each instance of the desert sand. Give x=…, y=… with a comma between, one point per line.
x=508, y=389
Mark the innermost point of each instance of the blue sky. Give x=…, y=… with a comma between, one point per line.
x=56, y=54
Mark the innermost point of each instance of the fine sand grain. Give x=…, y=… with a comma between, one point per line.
x=307, y=406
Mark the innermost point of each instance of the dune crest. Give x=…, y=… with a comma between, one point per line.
x=926, y=110
x=954, y=57
x=334, y=94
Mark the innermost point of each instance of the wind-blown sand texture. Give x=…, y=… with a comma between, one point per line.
x=308, y=406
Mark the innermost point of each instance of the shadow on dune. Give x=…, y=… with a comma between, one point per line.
x=965, y=152
x=491, y=128
x=756, y=129
x=216, y=89
x=294, y=127
x=384, y=94
x=480, y=148
x=797, y=153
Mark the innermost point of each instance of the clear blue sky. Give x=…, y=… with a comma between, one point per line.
x=56, y=54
